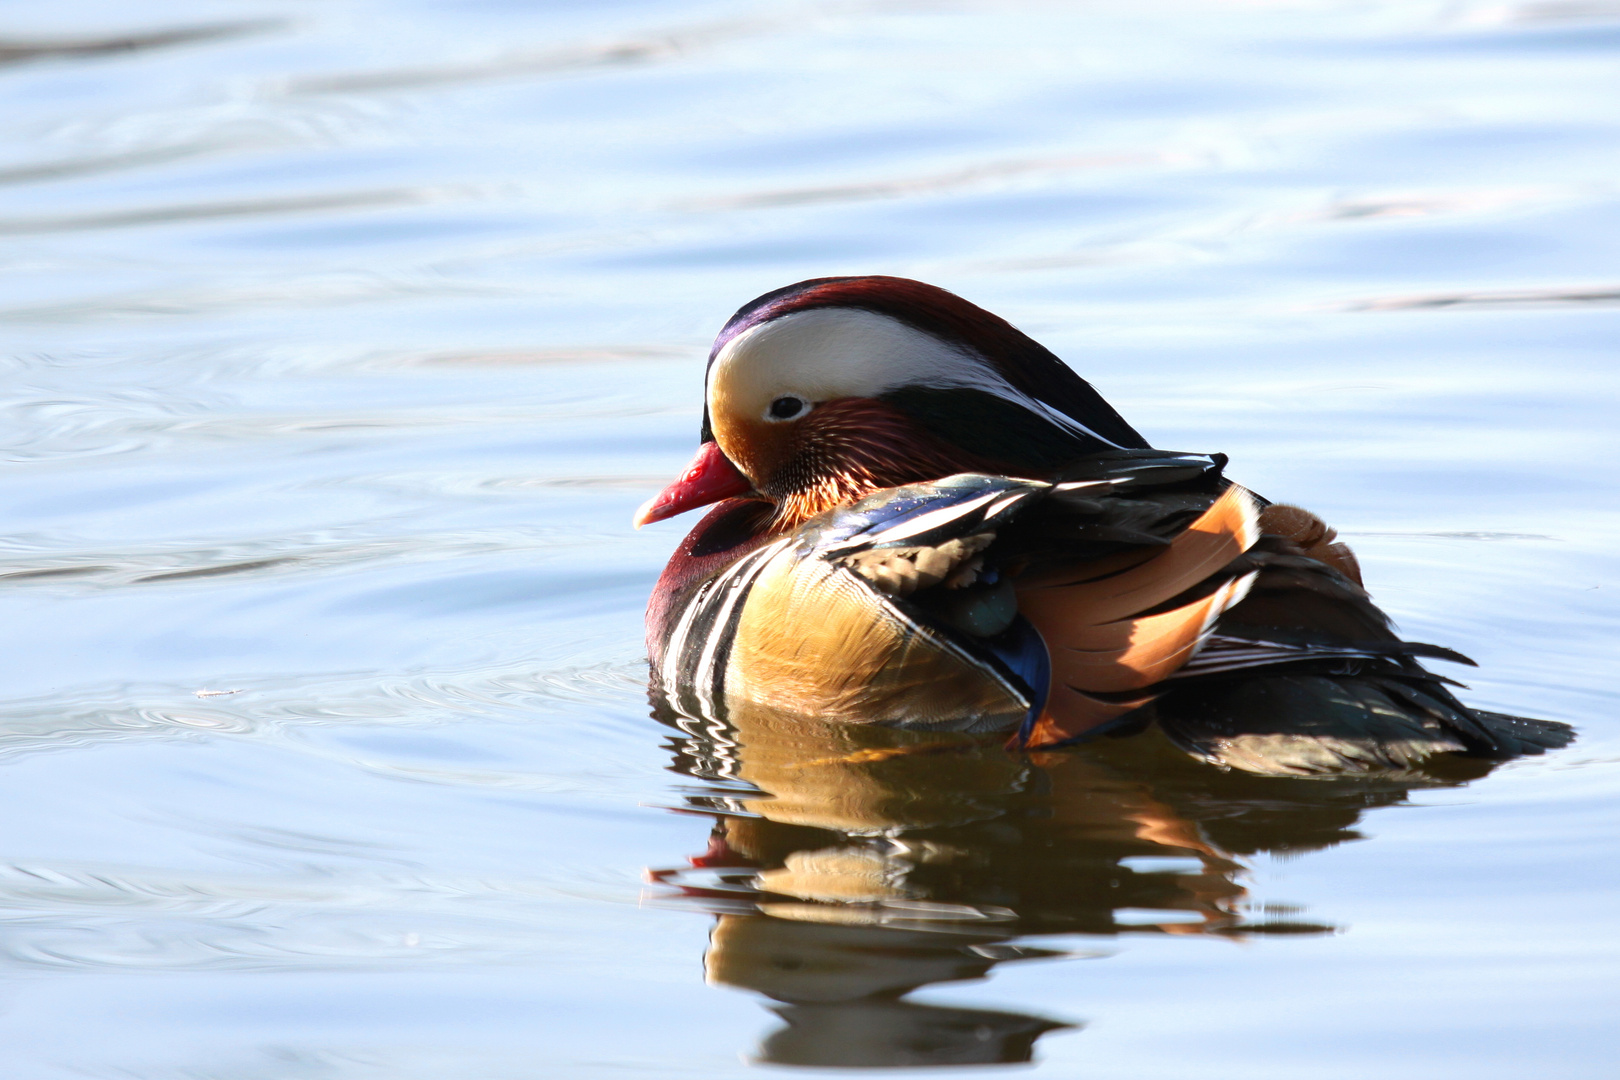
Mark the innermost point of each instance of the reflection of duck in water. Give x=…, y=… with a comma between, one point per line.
x=850, y=865
x=927, y=521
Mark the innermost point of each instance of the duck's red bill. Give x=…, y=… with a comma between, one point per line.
x=710, y=478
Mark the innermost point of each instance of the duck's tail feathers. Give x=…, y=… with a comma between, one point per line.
x=1378, y=720
x=1518, y=736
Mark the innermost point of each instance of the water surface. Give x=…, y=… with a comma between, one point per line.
x=343, y=338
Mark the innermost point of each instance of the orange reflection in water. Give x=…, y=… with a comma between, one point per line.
x=849, y=866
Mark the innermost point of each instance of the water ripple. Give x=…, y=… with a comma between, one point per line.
x=515, y=689
x=68, y=429
x=114, y=917
x=198, y=211
x=1539, y=13
x=316, y=552
x=326, y=289
x=1551, y=297
x=16, y=51
x=955, y=179
x=614, y=54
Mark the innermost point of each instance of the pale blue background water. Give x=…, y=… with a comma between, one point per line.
x=340, y=349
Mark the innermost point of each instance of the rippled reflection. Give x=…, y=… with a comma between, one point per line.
x=849, y=866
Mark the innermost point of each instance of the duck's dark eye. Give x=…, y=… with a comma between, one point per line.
x=786, y=408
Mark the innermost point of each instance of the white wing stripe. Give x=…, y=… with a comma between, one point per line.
x=932, y=519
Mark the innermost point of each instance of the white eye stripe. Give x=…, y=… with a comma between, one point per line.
x=827, y=353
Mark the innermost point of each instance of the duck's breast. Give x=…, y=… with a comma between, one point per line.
x=814, y=638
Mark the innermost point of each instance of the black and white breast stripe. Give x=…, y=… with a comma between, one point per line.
x=694, y=668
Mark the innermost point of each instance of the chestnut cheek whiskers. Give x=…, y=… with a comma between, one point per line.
x=847, y=449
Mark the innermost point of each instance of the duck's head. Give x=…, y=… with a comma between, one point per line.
x=822, y=392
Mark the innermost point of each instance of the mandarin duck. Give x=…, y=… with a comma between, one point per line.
x=926, y=520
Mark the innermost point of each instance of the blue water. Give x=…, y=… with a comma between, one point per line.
x=343, y=338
